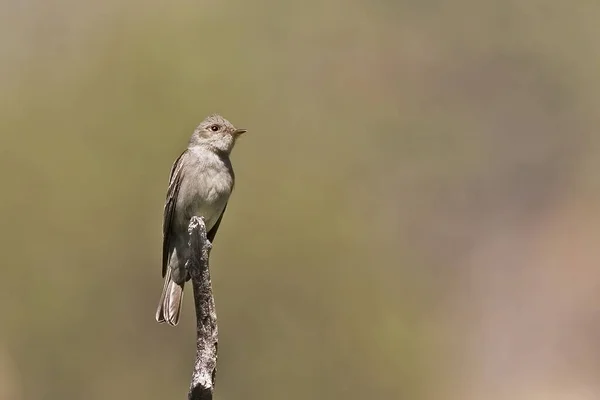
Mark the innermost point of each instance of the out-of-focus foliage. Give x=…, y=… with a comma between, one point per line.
x=414, y=217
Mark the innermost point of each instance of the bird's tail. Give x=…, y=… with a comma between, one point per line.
x=169, y=305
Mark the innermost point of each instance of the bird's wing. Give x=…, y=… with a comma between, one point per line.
x=212, y=233
x=175, y=178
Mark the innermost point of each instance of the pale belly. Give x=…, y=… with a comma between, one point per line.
x=210, y=212
x=204, y=195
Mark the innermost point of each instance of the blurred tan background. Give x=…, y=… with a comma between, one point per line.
x=416, y=213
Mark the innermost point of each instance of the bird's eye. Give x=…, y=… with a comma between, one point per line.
x=214, y=128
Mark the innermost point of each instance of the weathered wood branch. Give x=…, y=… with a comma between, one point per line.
x=205, y=367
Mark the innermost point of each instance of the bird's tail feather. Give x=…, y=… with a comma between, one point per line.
x=169, y=305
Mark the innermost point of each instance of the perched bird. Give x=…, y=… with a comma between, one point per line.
x=200, y=184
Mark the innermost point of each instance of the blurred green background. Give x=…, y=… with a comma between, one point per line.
x=415, y=215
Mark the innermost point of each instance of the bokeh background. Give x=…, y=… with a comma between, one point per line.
x=416, y=213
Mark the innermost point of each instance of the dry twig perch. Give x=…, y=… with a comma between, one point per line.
x=205, y=367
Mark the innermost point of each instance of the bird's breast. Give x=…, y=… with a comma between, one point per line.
x=205, y=193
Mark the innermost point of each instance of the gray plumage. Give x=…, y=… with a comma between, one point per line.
x=200, y=184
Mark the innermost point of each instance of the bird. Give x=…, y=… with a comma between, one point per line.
x=200, y=183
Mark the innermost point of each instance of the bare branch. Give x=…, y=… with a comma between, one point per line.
x=203, y=377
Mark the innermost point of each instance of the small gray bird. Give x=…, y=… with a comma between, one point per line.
x=200, y=183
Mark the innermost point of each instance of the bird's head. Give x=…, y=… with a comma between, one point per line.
x=217, y=133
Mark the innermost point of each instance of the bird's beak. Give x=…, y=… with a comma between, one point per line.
x=238, y=132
